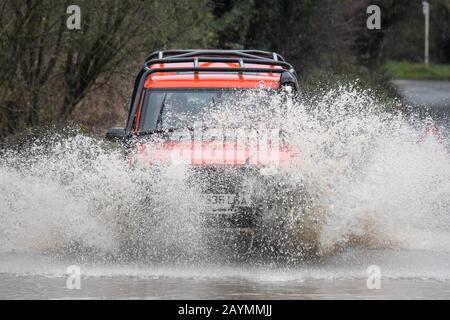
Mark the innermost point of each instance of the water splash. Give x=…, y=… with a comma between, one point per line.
x=359, y=177
x=71, y=194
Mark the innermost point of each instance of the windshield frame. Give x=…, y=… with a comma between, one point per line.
x=148, y=91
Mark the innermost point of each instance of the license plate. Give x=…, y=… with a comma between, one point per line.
x=226, y=201
x=220, y=201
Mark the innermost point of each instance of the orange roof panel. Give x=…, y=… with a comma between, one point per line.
x=212, y=79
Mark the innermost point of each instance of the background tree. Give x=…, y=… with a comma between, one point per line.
x=47, y=69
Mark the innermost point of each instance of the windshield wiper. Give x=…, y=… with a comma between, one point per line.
x=161, y=110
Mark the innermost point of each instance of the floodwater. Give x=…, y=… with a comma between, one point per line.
x=385, y=233
x=404, y=275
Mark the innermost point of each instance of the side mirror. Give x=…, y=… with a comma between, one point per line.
x=116, y=134
x=287, y=79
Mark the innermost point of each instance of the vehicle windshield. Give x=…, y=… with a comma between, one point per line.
x=181, y=108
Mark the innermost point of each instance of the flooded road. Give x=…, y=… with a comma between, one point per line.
x=432, y=93
x=404, y=275
x=119, y=287
x=386, y=206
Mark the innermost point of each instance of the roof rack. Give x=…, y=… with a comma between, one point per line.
x=240, y=57
x=255, y=54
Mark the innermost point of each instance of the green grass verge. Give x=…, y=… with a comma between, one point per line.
x=318, y=81
x=409, y=70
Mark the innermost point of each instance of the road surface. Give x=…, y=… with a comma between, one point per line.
x=431, y=93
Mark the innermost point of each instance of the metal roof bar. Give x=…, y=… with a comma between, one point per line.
x=240, y=61
x=216, y=69
x=255, y=54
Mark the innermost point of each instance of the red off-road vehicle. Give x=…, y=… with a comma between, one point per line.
x=174, y=90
